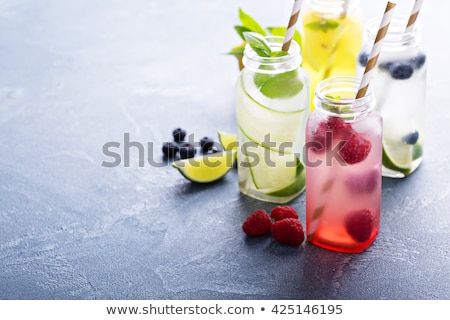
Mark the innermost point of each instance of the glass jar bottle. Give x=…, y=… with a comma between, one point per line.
x=399, y=84
x=343, y=167
x=332, y=33
x=272, y=98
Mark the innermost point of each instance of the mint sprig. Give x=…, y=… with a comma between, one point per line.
x=260, y=45
x=249, y=24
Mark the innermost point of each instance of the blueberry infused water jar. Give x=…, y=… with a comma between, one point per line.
x=399, y=85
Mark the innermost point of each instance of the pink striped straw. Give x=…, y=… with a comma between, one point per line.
x=373, y=57
x=291, y=26
x=413, y=16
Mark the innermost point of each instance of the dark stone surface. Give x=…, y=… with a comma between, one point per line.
x=75, y=75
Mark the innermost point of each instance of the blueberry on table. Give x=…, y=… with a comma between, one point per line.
x=178, y=134
x=206, y=143
x=401, y=70
x=363, y=58
x=187, y=150
x=411, y=138
x=170, y=149
x=418, y=61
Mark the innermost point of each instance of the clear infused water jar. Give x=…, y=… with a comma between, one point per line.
x=272, y=105
x=399, y=84
x=343, y=167
x=332, y=35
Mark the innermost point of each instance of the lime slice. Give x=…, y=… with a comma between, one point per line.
x=295, y=187
x=282, y=85
x=229, y=141
x=269, y=169
x=208, y=168
x=397, y=155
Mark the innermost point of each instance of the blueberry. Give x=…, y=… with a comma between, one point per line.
x=411, y=138
x=401, y=70
x=418, y=61
x=170, y=149
x=363, y=58
x=187, y=150
x=178, y=134
x=206, y=143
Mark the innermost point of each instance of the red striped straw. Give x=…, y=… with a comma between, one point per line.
x=413, y=16
x=291, y=26
x=373, y=57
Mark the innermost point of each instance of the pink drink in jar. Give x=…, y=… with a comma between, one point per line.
x=343, y=154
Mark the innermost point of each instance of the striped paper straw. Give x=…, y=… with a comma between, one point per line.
x=373, y=57
x=291, y=26
x=413, y=16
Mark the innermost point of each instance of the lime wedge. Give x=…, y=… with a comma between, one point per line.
x=208, y=168
x=397, y=155
x=229, y=141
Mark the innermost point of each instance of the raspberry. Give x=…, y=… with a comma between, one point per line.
x=257, y=223
x=283, y=212
x=359, y=224
x=355, y=150
x=288, y=231
x=365, y=182
x=337, y=127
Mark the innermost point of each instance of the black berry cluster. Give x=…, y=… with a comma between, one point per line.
x=183, y=149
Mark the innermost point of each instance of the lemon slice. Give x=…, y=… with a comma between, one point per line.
x=229, y=141
x=208, y=168
x=397, y=155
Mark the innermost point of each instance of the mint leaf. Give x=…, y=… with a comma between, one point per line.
x=250, y=23
x=258, y=43
x=240, y=30
x=323, y=25
x=276, y=54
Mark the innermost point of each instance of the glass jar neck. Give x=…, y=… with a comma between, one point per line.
x=335, y=8
x=335, y=97
x=273, y=65
x=396, y=36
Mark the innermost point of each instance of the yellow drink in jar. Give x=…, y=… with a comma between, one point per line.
x=331, y=40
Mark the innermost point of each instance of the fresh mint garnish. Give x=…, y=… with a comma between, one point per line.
x=249, y=23
x=260, y=45
x=323, y=25
x=344, y=109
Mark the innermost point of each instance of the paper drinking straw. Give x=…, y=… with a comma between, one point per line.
x=346, y=6
x=373, y=57
x=413, y=16
x=291, y=26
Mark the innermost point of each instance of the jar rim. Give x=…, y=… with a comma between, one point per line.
x=348, y=107
x=396, y=33
x=291, y=61
x=333, y=7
